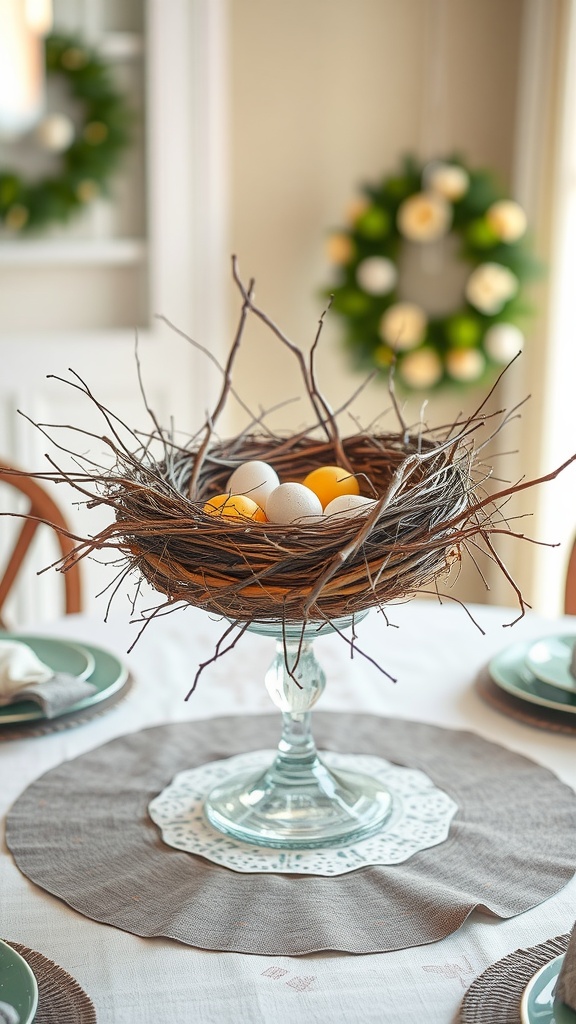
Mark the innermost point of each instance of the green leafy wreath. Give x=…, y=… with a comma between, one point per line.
x=90, y=151
x=423, y=204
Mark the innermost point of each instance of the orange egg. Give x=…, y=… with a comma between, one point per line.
x=329, y=482
x=234, y=506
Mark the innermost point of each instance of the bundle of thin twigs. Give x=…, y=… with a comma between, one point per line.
x=428, y=485
x=249, y=570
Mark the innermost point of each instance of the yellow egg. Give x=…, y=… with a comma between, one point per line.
x=234, y=506
x=328, y=482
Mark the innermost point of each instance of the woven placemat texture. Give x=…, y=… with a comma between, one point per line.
x=494, y=998
x=44, y=726
x=61, y=1000
x=110, y=863
x=522, y=710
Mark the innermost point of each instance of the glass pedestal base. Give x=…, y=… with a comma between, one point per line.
x=299, y=810
x=298, y=803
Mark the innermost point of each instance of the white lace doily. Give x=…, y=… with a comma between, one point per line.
x=420, y=819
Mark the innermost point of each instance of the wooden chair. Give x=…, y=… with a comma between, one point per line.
x=44, y=511
x=570, y=589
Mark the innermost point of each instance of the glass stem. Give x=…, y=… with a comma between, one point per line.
x=296, y=748
x=297, y=803
x=295, y=681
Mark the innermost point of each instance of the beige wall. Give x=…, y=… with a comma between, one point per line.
x=326, y=94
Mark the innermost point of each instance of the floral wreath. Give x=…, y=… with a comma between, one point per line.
x=90, y=149
x=423, y=204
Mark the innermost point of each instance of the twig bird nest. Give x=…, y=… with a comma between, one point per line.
x=428, y=505
x=249, y=570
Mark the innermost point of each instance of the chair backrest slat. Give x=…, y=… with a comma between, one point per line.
x=42, y=509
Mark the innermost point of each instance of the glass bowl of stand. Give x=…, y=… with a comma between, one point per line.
x=297, y=802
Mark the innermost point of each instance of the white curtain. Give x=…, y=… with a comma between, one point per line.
x=557, y=501
x=545, y=183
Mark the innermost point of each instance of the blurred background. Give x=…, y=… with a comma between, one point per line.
x=254, y=124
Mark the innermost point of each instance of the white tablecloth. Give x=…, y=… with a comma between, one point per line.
x=435, y=653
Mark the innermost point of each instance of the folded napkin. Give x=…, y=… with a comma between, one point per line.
x=566, y=984
x=24, y=677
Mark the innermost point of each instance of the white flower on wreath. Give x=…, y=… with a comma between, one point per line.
x=376, y=275
x=403, y=326
x=424, y=217
x=55, y=132
x=447, y=180
x=507, y=220
x=421, y=369
x=503, y=341
x=465, y=364
x=490, y=286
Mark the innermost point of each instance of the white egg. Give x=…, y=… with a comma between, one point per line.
x=346, y=506
x=254, y=479
x=290, y=502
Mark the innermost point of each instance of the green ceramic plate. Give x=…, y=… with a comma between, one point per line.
x=18, y=985
x=509, y=672
x=549, y=659
x=108, y=674
x=538, y=1005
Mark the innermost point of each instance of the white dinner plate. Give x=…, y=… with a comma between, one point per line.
x=550, y=658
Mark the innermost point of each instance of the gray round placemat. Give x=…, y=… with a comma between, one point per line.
x=83, y=833
x=494, y=998
x=61, y=1000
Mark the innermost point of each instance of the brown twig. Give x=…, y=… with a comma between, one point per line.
x=218, y=652
x=324, y=415
x=201, y=453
